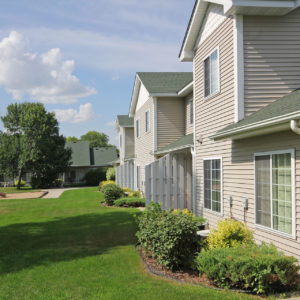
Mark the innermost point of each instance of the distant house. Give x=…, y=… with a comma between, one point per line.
x=85, y=158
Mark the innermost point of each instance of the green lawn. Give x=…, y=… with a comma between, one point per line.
x=13, y=190
x=71, y=248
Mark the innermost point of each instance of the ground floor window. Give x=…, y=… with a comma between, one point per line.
x=212, y=185
x=274, y=185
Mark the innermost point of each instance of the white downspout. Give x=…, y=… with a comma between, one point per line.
x=194, y=180
x=294, y=127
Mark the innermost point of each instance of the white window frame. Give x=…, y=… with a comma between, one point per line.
x=218, y=89
x=149, y=120
x=138, y=128
x=221, y=188
x=271, y=229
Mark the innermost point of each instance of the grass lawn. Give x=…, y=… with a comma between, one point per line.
x=71, y=248
x=14, y=190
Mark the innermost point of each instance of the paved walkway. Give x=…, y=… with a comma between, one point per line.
x=55, y=193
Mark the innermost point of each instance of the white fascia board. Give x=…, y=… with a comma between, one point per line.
x=186, y=90
x=135, y=95
x=257, y=125
x=264, y=3
x=163, y=95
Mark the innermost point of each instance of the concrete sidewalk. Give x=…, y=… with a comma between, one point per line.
x=55, y=193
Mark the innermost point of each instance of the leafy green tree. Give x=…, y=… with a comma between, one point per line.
x=31, y=143
x=72, y=139
x=96, y=139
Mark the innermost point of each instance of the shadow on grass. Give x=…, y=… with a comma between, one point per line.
x=32, y=244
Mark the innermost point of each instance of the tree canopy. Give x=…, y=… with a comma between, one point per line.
x=31, y=143
x=96, y=139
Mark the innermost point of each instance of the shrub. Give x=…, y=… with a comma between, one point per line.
x=111, y=193
x=185, y=211
x=104, y=183
x=229, y=233
x=23, y=183
x=132, y=202
x=111, y=174
x=94, y=176
x=135, y=194
x=261, y=269
x=170, y=238
x=127, y=190
x=57, y=182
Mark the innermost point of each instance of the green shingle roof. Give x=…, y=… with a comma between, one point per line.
x=80, y=153
x=105, y=156
x=84, y=156
x=183, y=142
x=286, y=106
x=124, y=120
x=165, y=82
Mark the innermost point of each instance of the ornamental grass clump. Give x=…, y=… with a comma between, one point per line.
x=230, y=233
x=260, y=269
x=169, y=237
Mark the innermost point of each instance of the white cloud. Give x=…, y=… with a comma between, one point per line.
x=84, y=114
x=44, y=77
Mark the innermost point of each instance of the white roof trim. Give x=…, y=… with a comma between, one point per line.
x=135, y=95
x=187, y=89
x=196, y=21
x=257, y=125
x=174, y=149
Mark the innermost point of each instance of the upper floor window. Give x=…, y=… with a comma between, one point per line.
x=211, y=74
x=137, y=128
x=274, y=190
x=191, y=111
x=147, y=121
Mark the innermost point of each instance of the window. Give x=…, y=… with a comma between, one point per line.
x=211, y=74
x=191, y=112
x=212, y=185
x=137, y=128
x=147, y=120
x=274, y=190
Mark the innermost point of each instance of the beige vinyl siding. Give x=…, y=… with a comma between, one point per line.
x=189, y=127
x=144, y=145
x=237, y=156
x=170, y=120
x=129, y=142
x=271, y=58
x=215, y=112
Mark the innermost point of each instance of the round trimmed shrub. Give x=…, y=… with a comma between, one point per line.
x=111, y=193
x=229, y=233
x=94, y=176
x=104, y=183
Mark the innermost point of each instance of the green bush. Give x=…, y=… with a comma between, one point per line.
x=261, y=269
x=111, y=174
x=132, y=202
x=94, y=176
x=111, y=193
x=170, y=238
x=229, y=233
x=57, y=182
x=104, y=183
x=135, y=194
x=23, y=183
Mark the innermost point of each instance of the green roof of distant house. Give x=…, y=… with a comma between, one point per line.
x=84, y=156
x=104, y=156
x=165, y=82
x=80, y=153
x=186, y=141
x=280, y=111
x=125, y=121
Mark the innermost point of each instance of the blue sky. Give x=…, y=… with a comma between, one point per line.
x=79, y=57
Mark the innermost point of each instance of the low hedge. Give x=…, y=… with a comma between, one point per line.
x=261, y=269
x=132, y=202
x=104, y=183
x=169, y=237
x=111, y=193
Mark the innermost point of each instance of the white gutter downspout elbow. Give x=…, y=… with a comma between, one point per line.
x=294, y=127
